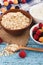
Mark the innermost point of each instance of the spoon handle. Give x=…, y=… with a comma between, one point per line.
x=32, y=49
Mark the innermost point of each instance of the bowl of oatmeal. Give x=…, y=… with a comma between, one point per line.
x=16, y=21
x=36, y=11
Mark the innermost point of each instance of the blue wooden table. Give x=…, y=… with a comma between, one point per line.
x=32, y=58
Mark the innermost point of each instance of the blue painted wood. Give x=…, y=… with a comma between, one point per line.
x=32, y=58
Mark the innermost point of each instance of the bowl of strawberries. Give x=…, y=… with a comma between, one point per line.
x=36, y=33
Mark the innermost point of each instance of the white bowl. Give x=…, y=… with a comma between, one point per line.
x=36, y=11
x=31, y=31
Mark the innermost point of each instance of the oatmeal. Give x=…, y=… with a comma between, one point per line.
x=15, y=20
x=9, y=50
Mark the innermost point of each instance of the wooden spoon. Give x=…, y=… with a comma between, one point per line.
x=16, y=48
x=32, y=49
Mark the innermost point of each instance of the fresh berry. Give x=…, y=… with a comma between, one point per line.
x=41, y=34
x=34, y=33
x=3, y=9
x=23, y=1
x=35, y=29
x=1, y=40
x=40, y=25
x=19, y=1
x=15, y=1
x=38, y=32
x=28, y=1
x=6, y=3
x=36, y=37
x=16, y=7
x=0, y=5
x=22, y=54
x=10, y=2
x=41, y=39
x=4, y=0
x=9, y=6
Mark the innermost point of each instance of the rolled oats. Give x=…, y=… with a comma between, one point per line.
x=15, y=20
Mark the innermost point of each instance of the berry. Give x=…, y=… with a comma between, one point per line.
x=41, y=39
x=19, y=1
x=10, y=2
x=1, y=40
x=0, y=5
x=4, y=0
x=6, y=3
x=40, y=25
x=28, y=1
x=9, y=6
x=22, y=54
x=34, y=33
x=23, y=1
x=3, y=10
x=36, y=37
x=16, y=7
x=38, y=32
x=35, y=29
x=15, y=1
x=41, y=34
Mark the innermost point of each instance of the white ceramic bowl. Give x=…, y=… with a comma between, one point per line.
x=31, y=31
x=36, y=11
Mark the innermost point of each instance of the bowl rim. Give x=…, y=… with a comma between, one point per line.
x=32, y=36
x=32, y=8
x=13, y=10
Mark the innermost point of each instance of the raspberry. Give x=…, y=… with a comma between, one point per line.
x=35, y=29
x=4, y=0
x=38, y=32
x=10, y=2
x=22, y=54
x=36, y=37
x=23, y=1
x=1, y=40
x=40, y=25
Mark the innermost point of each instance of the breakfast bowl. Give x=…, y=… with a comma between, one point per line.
x=36, y=11
x=16, y=21
x=36, y=33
